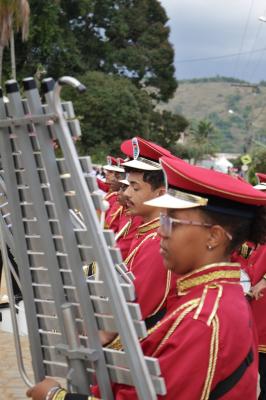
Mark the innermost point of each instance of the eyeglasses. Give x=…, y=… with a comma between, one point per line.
x=167, y=222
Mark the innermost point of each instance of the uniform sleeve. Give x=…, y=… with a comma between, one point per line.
x=256, y=268
x=103, y=186
x=184, y=362
x=151, y=278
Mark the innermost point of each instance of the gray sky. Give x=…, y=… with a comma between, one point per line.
x=214, y=29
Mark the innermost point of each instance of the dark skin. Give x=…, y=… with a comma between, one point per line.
x=40, y=391
x=190, y=247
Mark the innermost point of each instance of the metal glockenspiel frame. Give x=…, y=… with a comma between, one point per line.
x=51, y=245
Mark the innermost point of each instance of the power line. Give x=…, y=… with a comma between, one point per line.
x=259, y=60
x=188, y=60
x=246, y=67
x=243, y=37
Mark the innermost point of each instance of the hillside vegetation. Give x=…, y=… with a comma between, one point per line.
x=213, y=98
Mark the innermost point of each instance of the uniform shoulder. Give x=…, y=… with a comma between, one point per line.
x=209, y=303
x=111, y=195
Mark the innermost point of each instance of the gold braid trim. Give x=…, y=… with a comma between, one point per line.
x=216, y=304
x=146, y=228
x=202, y=300
x=212, y=360
x=206, y=278
x=167, y=289
x=123, y=231
x=60, y=394
x=174, y=326
x=163, y=321
x=190, y=305
x=262, y=348
x=116, y=344
x=131, y=256
x=109, y=195
x=208, y=267
x=115, y=214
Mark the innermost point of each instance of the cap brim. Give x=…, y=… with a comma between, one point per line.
x=168, y=201
x=124, y=182
x=260, y=186
x=113, y=168
x=141, y=165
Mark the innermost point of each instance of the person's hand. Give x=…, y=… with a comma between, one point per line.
x=40, y=391
x=258, y=289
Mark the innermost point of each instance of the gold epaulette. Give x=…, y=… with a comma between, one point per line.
x=209, y=303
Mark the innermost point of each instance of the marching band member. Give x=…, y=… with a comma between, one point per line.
x=205, y=343
x=252, y=258
x=128, y=224
x=146, y=181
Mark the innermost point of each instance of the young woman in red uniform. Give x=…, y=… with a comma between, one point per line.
x=205, y=343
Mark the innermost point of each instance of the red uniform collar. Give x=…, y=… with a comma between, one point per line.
x=148, y=226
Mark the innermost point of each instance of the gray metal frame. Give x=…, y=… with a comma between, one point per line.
x=52, y=245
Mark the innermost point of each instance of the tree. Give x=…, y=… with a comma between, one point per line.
x=111, y=110
x=13, y=14
x=258, y=164
x=51, y=44
x=202, y=138
x=165, y=128
x=133, y=42
x=122, y=37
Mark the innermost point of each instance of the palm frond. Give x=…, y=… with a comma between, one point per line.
x=13, y=14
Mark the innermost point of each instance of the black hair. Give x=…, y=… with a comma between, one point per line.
x=241, y=228
x=245, y=222
x=154, y=178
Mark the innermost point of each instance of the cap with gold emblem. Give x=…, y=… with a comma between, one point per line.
x=211, y=189
x=144, y=155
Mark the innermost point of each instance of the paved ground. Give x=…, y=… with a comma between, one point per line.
x=11, y=384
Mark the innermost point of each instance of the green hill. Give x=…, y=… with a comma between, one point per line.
x=213, y=98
